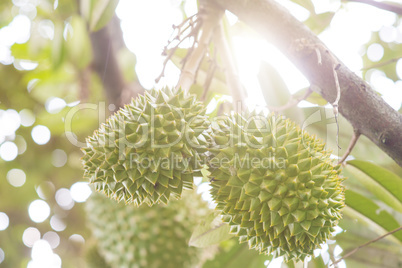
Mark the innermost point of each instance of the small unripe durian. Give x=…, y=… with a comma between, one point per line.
x=140, y=237
x=275, y=185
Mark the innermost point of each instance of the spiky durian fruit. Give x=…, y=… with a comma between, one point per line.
x=136, y=237
x=149, y=150
x=275, y=185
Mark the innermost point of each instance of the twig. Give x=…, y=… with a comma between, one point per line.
x=232, y=78
x=292, y=102
x=380, y=64
x=190, y=68
x=178, y=36
x=168, y=57
x=335, y=104
x=355, y=137
x=366, y=244
x=393, y=7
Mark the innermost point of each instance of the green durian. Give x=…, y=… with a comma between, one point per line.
x=137, y=237
x=150, y=149
x=274, y=184
x=93, y=257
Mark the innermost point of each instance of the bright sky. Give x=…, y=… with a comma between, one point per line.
x=349, y=30
x=147, y=27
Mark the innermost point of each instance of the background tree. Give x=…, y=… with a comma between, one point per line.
x=67, y=55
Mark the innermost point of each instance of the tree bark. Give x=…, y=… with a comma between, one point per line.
x=105, y=44
x=359, y=103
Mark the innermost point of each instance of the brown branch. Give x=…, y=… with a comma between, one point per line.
x=393, y=7
x=352, y=144
x=366, y=244
x=189, y=23
x=381, y=64
x=359, y=103
x=104, y=45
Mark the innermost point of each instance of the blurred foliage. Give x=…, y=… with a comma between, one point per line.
x=60, y=45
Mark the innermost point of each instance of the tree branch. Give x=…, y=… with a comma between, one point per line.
x=210, y=21
x=359, y=104
x=104, y=45
x=232, y=78
x=393, y=7
x=368, y=243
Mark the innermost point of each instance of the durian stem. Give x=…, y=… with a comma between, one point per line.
x=232, y=78
x=211, y=15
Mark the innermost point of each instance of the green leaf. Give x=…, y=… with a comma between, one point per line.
x=314, y=97
x=307, y=4
x=364, y=209
x=98, y=13
x=383, y=253
x=58, y=46
x=235, y=255
x=210, y=232
x=275, y=91
x=319, y=22
x=78, y=43
x=384, y=184
x=197, y=90
x=317, y=262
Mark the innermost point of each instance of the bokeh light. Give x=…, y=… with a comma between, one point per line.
x=45, y=190
x=27, y=117
x=30, y=236
x=375, y=52
x=80, y=191
x=399, y=68
x=57, y=224
x=21, y=144
x=52, y=238
x=63, y=198
x=9, y=121
x=54, y=105
x=40, y=134
x=2, y=256
x=59, y=158
x=43, y=256
x=76, y=238
x=38, y=210
x=4, y=221
x=16, y=177
x=8, y=151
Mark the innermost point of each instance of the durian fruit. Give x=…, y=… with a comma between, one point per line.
x=137, y=237
x=274, y=184
x=93, y=257
x=149, y=150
